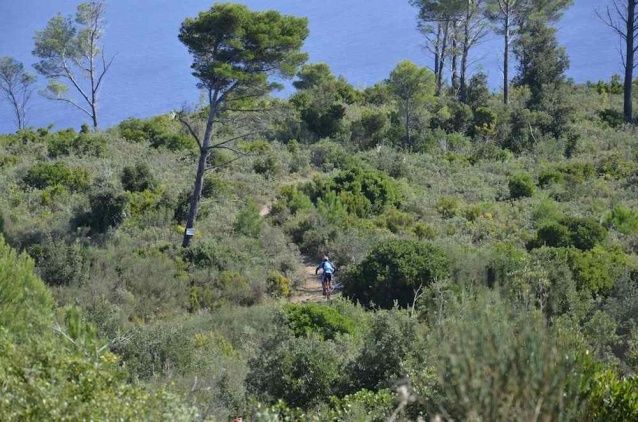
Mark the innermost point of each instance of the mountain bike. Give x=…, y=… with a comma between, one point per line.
x=326, y=284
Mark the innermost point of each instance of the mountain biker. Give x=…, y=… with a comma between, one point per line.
x=328, y=269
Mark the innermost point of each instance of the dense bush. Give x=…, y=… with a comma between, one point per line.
x=521, y=185
x=137, y=178
x=44, y=175
x=321, y=320
x=363, y=191
x=485, y=343
x=301, y=371
x=68, y=142
x=394, y=271
x=107, y=209
x=581, y=233
x=41, y=370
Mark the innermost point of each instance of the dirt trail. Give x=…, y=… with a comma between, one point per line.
x=309, y=289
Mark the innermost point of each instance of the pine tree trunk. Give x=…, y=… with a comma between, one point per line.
x=204, y=153
x=629, y=62
x=506, y=60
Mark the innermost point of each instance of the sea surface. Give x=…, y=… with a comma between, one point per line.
x=360, y=39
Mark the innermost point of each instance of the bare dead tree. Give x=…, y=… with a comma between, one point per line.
x=16, y=86
x=622, y=17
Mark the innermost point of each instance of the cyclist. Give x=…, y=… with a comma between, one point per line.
x=328, y=269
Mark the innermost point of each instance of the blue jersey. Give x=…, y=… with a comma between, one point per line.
x=327, y=267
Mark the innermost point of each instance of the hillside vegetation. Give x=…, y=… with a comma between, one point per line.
x=487, y=252
x=523, y=263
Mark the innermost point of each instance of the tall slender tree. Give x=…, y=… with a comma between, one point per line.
x=412, y=86
x=436, y=21
x=235, y=52
x=16, y=86
x=505, y=14
x=71, y=52
x=473, y=28
x=509, y=15
x=622, y=17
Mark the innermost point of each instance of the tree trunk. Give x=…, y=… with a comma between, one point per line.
x=446, y=34
x=455, y=58
x=629, y=61
x=464, y=57
x=408, y=141
x=204, y=153
x=94, y=116
x=506, y=59
x=437, y=58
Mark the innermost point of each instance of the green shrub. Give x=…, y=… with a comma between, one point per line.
x=612, y=398
x=553, y=234
x=301, y=371
x=41, y=370
x=581, y=233
x=68, y=142
x=248, y=221
x=613, y=118
x=268, y=166
x=173, y=142
x=623, y=219
x=328, y=155
x=107, y=209
x=521, y=185
x=616, y=166
x=137, y=178
x=549, y=177
x=26, y=304
x=424, y=231
x=318, y=319
x=394, y=271
x=448, y=206
x=214, y=186
x=60, y=264
x=43, y=175
x=480, y=345
x=364, y=191
x=598, y=269
x=278, y=285
x=585, y=233
x=393, y=340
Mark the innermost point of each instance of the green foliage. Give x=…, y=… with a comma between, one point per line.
x=612, y=398
x=448, y=207
x=581, y=233
x=107, y=209
x=612, y=118
x=138, y=178
x=598, y=269
x=481, y=343
x=43, y=175
x=321, y=320
x=623, y=219
x=248, y=221
x=301, y=371
x=40, y=370
x=393, y=340
x=67, y=142
x=247, y=46
x=278, y=285
x=60, y=264
x=364, y=191
x=394, y=271
x=26, y=304
x=521, y=185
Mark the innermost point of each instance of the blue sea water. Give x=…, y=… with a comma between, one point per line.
x=360, y=39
